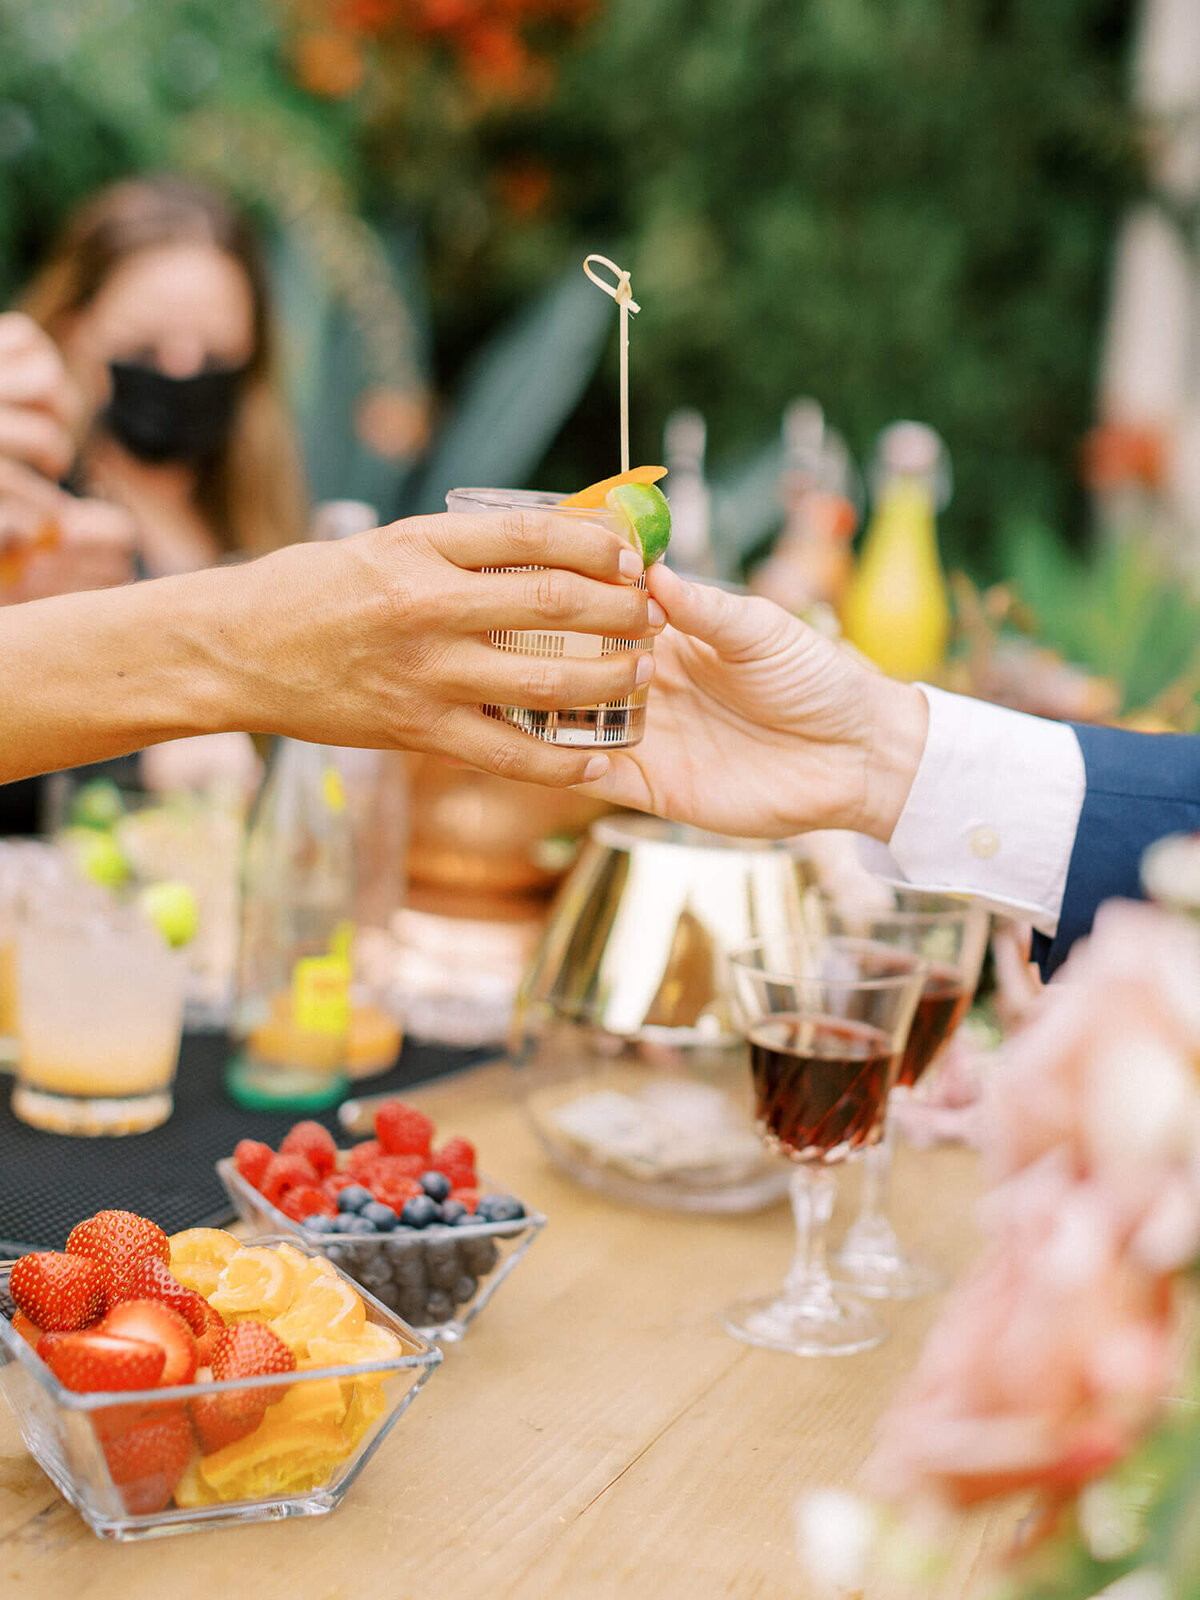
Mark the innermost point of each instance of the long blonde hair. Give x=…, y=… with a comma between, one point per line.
x=252, y=490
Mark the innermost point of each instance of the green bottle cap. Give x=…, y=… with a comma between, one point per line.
x=257, y=1087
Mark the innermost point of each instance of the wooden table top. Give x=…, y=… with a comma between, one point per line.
x=597, y=1434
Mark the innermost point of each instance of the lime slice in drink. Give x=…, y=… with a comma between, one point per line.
x=171, y=906
x=97, y=856
x=98, y=804
x=643, y=507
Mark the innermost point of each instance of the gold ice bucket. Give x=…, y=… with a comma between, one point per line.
x=629, y=1061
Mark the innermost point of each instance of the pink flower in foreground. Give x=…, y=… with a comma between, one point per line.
x=1046, y=1364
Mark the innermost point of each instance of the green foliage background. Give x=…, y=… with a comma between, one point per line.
x=903, y=207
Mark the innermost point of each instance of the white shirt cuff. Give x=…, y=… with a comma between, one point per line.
x=993, y=809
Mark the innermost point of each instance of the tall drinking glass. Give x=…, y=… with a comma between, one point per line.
x=950, y=933
x=825, y=1021
x=616, y=722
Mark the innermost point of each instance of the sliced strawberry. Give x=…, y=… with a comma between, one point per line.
x=147, y=1459
x=284, y=1173
x=251, y=1350
x=251, y=1158
x=403, y=1130
x=118, y=1240
x=29, y=1331
x=152, y=1322
x=92, y=1361
x=206, y=1340
x=221, y=1419
x=315, y=1143
x=60, y=1293
x=150, y=1280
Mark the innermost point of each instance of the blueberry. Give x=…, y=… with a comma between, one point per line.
x=410, y=1304
x=436, y=1185
x=389, y=1295
x=499, y=1208
x=339, y=1254
x=453, y=1211
x=464, y=1289
x=419, y=1212
x=358, y=1224
x=374, y=1274
x=383, y=1217
x=354, y=1197
x=439, y=1307
x=319, y=1224
x=408, y=1269
x=444, y=1272
x=479, y=1256
x=467, y=1217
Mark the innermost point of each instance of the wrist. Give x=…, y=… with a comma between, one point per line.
x=896, y=727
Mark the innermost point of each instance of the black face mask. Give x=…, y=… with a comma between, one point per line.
x=158, y=418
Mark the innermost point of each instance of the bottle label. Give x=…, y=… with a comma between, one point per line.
x=321, y=994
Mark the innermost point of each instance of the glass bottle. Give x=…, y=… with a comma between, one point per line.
x=292, y=1014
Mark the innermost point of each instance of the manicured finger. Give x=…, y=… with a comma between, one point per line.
x=484, y=674
x=733, y=624
x=535, y=539
x=494, y=747
x=548, y=599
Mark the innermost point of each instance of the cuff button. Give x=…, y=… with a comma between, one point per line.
x=984, y=842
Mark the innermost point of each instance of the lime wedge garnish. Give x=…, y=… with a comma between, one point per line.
x=171, y=906
x=643, y=507
x=592, y=498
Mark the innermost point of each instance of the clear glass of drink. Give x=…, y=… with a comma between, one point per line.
x=99, y=1019
x=950, y=932
x=616, y=722
x=825, y=1022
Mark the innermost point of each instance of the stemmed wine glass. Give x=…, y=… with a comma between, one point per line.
x=825, y=1021
x=949, y=932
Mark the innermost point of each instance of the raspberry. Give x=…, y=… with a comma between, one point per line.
x=304, y=1200
x=284, y=1173
x=399, y=1166
x=251, y=1158
x=314, y=1143
x=469, y=1198
x=395, y=1192
x=403, y=1130
x=456, y=1159
x=361, y=1156
x=333, y=1185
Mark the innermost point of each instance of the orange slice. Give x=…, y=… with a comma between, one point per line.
x=198, y=1256
x=592, y=498
x=258, y=1282
x=326, y=1307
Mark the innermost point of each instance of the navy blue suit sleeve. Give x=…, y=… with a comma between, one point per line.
x=1140, y=786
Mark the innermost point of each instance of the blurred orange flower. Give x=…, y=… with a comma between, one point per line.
x=328, y=64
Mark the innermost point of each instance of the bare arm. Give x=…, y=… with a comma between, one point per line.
x=379, y=641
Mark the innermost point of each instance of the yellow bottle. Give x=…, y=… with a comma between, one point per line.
x=896, y=610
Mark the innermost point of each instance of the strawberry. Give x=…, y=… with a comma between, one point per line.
x=304, y=1200
x=469, y=1198
x=152, y=1322
x=93, y=1360
x=402, y=1130
x=147, y=1459
x=118, y=1240
x=251, y=1158
x=29, y=1331
x=206, y=1338
x=250, y=1350
x=150, y=1280
x=314, y=1143
x=456, y=1159
x=221, y=1419
x=58, y=1292
x=284, y=1173
x=361, y=1157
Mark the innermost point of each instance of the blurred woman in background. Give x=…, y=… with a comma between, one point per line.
x=156, y=299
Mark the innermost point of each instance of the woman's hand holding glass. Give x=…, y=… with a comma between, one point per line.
x=760, y=726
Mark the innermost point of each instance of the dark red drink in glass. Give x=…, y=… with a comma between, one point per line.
x=820, y=1083
x=940, y=1009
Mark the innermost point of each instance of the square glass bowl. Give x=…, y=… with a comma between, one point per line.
x=438, y=1279
x=311, y=1445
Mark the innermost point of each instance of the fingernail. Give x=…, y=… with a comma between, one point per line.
x=645, y=669
x=596, y=768
x=655, y=614
x=630, y=564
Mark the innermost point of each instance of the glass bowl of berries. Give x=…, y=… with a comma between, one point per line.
x=169, y=1385
x=411, y=1222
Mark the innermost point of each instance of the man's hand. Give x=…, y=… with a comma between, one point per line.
x=756, y=725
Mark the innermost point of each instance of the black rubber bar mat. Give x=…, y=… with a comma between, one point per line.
x=48, y=1181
